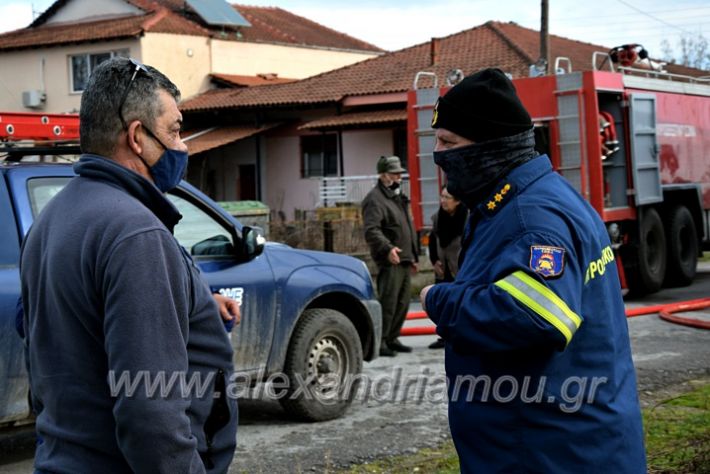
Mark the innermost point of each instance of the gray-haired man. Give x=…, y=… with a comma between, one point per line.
x=111, y=297
x=390, y=235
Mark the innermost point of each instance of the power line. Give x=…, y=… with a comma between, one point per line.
x=616, y=15
x=700, y=18
x=653, y=17
x=689, y=23
x=610, y=36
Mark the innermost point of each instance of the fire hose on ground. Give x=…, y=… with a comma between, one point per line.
x=664, y=311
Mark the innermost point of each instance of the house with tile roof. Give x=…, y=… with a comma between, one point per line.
x=45, y=66
x=287, y=137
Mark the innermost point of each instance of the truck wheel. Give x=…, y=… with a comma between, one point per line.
x=646, y=260
x=682, y=247
x=324, y=356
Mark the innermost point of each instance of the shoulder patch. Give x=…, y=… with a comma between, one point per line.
x=547, y=261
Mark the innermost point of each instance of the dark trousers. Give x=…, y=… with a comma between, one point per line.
x=394, y=291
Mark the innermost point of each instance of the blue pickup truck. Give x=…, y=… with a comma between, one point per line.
x=310, y=316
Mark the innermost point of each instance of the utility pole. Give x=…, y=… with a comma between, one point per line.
x=544, y=36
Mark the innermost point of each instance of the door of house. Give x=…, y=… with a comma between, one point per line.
x=246, y=189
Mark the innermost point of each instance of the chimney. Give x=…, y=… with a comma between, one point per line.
x=434, y=50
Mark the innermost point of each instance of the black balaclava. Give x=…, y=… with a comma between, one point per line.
x=485, y=109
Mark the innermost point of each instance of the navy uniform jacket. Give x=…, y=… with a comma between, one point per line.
x=537, y=356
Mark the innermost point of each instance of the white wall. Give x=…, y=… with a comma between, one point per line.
x=285, y=190
x=20, y=71
x=292, y=62
x=82, y=10
x=282, y=187
x=184, y=59
x=362, y=149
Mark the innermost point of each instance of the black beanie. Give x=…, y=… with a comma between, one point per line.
x=482, y=107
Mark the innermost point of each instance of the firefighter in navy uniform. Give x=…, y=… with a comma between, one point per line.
x=537, y=347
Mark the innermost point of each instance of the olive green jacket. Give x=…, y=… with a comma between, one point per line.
x=388, y=224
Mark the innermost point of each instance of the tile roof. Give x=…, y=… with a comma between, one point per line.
x=357, y=118
x=269, y=25
x=250, y=81
x=275, y=25
x=213, y=138
x=470, y=50
x=161, y=20
x=59, y=34
x=686, y=71
x=209, y=99
x=508, y=46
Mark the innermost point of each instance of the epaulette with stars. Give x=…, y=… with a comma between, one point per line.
x=498, y=199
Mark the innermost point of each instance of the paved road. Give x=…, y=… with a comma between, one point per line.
x=393, y=421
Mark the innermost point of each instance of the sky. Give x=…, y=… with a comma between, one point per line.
x=395, y=24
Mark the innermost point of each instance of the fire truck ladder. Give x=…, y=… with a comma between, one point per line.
x=42, y=132
x=31, y=126
x=571, y=131
x=427, y=200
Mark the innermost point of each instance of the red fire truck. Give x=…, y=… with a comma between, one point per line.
x=634, y=143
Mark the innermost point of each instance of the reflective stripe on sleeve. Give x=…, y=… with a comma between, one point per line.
x=542, y=301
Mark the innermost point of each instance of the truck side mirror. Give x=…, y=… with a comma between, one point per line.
x=252, y=243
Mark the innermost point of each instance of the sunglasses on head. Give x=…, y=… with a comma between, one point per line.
x=137, y=67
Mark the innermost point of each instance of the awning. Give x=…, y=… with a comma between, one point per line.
x=358, y=118
x=199, y=141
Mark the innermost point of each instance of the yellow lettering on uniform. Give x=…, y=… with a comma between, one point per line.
x=598, y=267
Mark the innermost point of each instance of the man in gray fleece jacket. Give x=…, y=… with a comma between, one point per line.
x=113, y=304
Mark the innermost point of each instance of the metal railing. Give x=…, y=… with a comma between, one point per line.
x=655, y=73
x=349, y=189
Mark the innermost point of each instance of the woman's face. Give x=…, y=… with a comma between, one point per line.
x=448, y=202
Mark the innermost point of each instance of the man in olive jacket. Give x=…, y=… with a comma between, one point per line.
x=390, y=235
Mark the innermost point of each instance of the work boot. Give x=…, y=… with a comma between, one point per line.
x=385, y=351
x=438, y=344
x=398, y=346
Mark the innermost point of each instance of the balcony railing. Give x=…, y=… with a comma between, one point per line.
x=349, y=189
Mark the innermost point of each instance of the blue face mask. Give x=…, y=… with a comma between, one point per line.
x=169, y=169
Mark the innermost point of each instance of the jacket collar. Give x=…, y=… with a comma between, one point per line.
x=108, y=171
x=514, y=183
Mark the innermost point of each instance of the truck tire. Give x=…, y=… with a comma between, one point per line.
x=324, y=356
x=682, y=247
x=645, y=260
